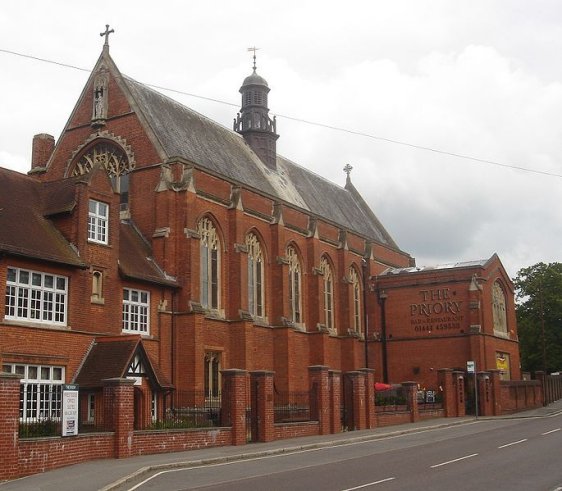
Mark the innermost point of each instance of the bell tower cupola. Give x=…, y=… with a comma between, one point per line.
x=253, y=121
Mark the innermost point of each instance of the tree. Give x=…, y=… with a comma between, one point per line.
x=539, y=316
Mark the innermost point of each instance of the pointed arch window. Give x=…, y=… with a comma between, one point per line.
x=295, y=283
x=355, y=299
x=328, y=284
x=116, y=162
x=499, y=309
x=255, y=276
x=209, y=270
x=212, y=375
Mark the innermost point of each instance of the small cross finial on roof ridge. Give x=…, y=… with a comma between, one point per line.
x=254, y=49
x=347, y=169
x=106, y=34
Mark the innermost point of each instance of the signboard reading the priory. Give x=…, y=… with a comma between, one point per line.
x=69, y=410
x=436, y=311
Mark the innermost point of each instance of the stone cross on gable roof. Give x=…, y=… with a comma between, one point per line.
x=106, y=34
x=347, y=169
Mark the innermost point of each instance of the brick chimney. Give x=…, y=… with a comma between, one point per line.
x=43, y=146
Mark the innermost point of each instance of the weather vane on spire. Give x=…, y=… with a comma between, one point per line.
x=347, y=169
x=106, y=34
x=254, y=49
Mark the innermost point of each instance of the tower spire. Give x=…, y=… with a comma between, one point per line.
x=253, y=121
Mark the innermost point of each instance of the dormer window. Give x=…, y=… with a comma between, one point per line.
x=98, y=215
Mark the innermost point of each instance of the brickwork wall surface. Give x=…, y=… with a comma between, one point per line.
x=296, y=430
x=46, y=454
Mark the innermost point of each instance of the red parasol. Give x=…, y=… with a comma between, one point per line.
x=381, y=386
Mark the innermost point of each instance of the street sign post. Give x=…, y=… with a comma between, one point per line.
x=471, y=368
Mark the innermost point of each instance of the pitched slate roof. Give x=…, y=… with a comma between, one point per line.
x=135, y=258
x=25, y=229
x=482, y=263
x=185, y=133
x=111, y=357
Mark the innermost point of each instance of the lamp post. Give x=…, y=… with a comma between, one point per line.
x=382, y=300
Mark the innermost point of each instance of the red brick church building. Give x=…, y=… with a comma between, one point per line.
x=151, y=242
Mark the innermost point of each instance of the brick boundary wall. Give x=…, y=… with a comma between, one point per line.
x=20, y=457
x=552, y=387
x=146, y=442
x=393, y=418
x=284, y=431
x=45, y=454
x=9, y=425
x=520, y=396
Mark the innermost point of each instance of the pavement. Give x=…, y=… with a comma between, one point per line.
x=113, y=474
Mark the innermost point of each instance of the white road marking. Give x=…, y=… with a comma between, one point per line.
x=454, y=460
x=297, y=451
x=370, y=484
x=513, y=443
x=548, y=433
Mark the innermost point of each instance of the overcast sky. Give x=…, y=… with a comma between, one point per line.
x=476, y=78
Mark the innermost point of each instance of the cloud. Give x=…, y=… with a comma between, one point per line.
x=474, y=78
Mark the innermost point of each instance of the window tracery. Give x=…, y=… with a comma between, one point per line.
x=295, y=295
x=209, y=264
x=499, y=309
x=328, y=282
x=255, y=276
x=110, y=156
x=356, y=299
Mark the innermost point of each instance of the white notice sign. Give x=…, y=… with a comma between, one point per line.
x=69, y=410
x=470, y=366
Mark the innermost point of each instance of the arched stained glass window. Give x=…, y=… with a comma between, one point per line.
x=295, y=293
x=212, y=376
x=255, y=276
x=356, y=299
x=328, y=292
x=498, y=306
x=116, y=162
x=209, y=264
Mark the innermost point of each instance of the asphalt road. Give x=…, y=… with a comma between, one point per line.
x=518, y=454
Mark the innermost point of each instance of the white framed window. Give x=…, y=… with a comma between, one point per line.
x=328, y=285
x=356, y=299
x=209, y=270
x=98, y=216
x=40, y=390
x=256, y=294
x=136, y=308
x=295, y=295
x=212, y=375
x=36, y=296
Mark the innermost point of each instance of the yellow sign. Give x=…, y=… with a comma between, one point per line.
x=502, y=361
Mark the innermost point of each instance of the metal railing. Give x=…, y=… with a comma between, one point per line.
x=394, y=399
x=190, y=409
x=40, y=410
x=292, y=407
